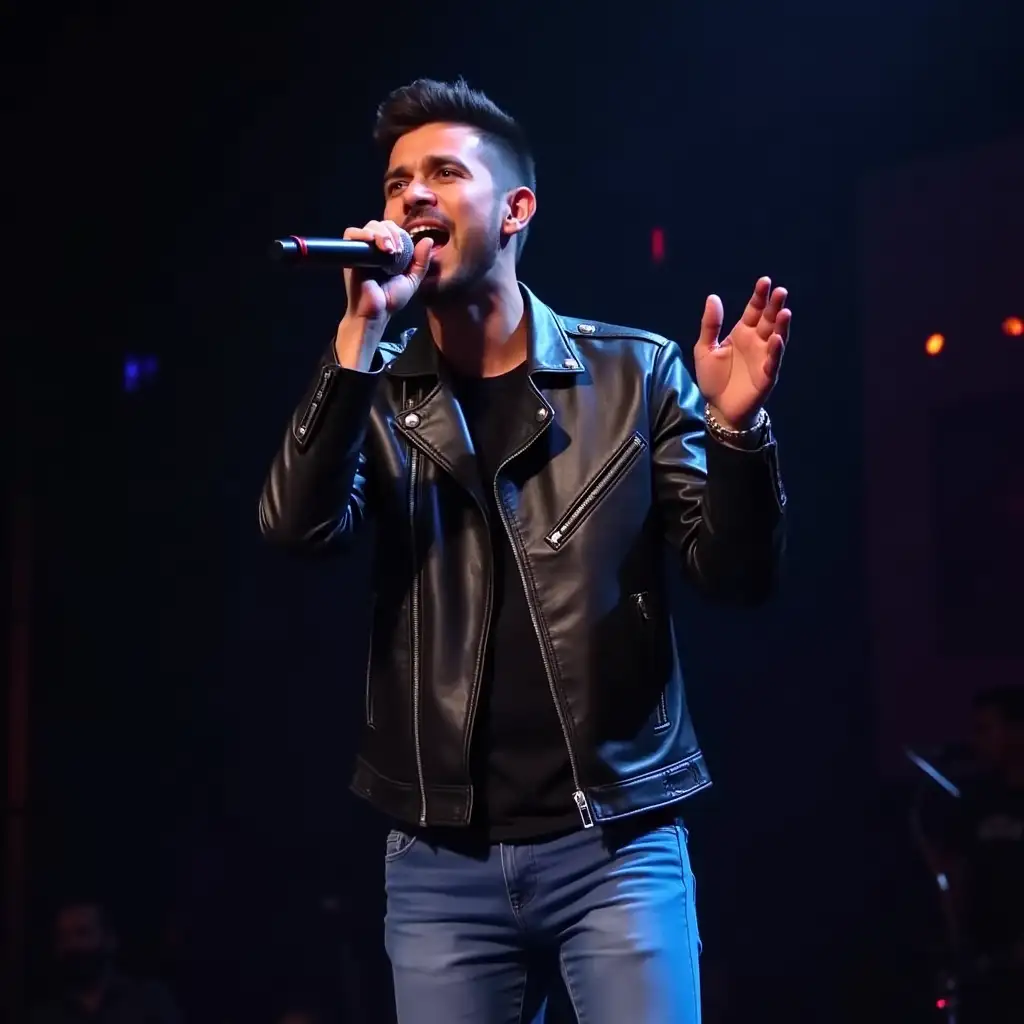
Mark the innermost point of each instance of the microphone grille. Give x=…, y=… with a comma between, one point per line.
x=401, y=260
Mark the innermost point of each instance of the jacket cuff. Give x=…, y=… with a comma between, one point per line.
x=338, y=404
x=744, y=488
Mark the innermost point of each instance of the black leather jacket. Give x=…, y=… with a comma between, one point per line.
x=609, y=462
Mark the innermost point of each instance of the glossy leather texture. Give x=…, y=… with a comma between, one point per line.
x=609, y=482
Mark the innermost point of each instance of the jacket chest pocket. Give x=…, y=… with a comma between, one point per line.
x=599, y=487
x=648, y=631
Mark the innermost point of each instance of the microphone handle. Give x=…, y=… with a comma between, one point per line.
x=331, y=252
x=340, y=252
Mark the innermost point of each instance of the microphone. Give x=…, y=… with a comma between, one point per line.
x=340, y=252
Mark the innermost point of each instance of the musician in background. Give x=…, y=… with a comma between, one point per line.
x=977, y=847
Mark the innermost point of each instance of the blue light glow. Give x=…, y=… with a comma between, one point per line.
x=139, y=370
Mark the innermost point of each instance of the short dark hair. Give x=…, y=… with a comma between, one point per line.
x=428, y=101
x=82, y=900
x=1006, y=700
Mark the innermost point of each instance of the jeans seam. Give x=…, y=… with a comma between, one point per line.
x=694, y=975
x=522, y=994
x=568, y=987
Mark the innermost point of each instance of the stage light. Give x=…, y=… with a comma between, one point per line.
x=1013, y=326
x=940, y=1004
x=138, y=370
x=935, y=344
x=657, y=245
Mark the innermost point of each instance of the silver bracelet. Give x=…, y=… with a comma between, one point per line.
x=755, y=430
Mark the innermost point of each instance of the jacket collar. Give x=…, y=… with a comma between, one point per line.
x=549, y=347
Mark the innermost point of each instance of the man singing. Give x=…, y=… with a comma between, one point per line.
x=525, y=474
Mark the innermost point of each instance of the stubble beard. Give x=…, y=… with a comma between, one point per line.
x=468, y=279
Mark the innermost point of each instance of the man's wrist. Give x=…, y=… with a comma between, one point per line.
x=751, y=433
x=735, y=426
x=355, y=343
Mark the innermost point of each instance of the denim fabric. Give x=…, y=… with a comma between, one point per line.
x=480, y=935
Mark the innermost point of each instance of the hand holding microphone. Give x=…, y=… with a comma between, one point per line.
x=371, y=302
x=372, y=298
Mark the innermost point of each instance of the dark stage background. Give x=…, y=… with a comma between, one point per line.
x=193, y=695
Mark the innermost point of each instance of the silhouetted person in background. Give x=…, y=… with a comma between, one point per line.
x=90, y=988
x=300, y=1013
x=990, y=848
x=978, y=844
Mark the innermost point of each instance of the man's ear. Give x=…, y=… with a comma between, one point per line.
x=520, y=206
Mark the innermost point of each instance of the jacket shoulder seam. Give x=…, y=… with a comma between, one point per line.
x=580, y=328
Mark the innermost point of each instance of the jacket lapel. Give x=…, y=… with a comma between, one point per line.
x=550, y=352
x=436, y=424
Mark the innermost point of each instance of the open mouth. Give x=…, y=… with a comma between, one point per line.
x=438, y=234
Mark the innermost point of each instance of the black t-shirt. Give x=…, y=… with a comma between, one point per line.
x=125, y=1001
x=522, y=780
x=990, y=838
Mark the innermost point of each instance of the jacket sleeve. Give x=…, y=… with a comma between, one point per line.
x=315, y=495
x=722, y=508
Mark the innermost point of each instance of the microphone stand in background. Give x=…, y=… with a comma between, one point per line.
x=948, y=997
x=933, y=773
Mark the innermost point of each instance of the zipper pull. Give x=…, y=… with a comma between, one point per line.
x=581, y=805
x=641, y=607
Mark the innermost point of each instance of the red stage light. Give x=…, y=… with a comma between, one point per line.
x=657, y=245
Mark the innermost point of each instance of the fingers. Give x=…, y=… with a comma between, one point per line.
x=766, y=311
x=782, y=321
x=399, y=290
x=757, y=303
x=711, y=323
x=767, y=324
x=420, y=260
x=773, y=327
x=383, y=233
x=773, y=356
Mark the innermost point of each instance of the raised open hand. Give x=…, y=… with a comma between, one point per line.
x=737, y=374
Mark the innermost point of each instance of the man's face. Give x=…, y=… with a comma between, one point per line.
x=82, y=944
x=439, y=177
x=997, y=741
x=79, y=928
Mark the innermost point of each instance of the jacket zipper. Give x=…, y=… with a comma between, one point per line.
x=662, y=722
x=309, y=417
x=661, y=719
x=369, y=668
x=601, y=485
x=478, y=669
x=414, y=464
x=579, y=797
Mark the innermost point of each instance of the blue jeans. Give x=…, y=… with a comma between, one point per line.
x=478, y=936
